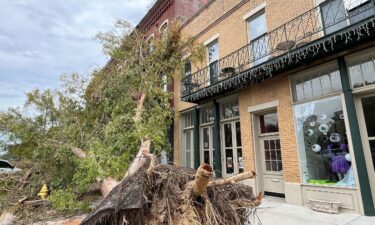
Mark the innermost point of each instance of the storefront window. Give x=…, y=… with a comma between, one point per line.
x=322, y=141
x=315, y=85
x=239, y=147
x=368, y=104
x=188, y=139
x=207, y=115
x=362, y=73
x=230, y=110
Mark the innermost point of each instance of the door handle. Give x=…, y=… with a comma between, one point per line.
x=276, y=180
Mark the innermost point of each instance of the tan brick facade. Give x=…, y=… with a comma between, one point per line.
x=233, y=34
x=271, y=90
x=225, y=20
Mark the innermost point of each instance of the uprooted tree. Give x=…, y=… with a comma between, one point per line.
x=91, y=129
x=108, y=130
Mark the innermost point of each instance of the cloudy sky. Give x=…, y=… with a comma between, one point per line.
x=42, y=39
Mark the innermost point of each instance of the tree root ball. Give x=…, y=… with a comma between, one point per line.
x=165, y=196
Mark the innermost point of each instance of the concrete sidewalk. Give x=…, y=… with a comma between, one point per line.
x=274, y=211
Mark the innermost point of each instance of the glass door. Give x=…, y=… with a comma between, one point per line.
x=232, y=148
x=189, y=143
x=271, y=172
x=207, y=146
x=367, y=124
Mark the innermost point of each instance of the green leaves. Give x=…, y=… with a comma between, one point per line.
x=66, y=200
x=96, y=113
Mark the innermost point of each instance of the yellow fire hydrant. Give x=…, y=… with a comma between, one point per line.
x=43, y=192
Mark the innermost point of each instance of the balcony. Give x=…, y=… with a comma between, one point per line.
x=292, y=41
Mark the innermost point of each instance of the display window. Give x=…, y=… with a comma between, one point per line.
x=362, y=73
x=320, y=126
x=323, y=144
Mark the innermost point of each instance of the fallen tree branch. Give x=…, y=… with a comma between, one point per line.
x=22, y=200
x=234, y=179
x=106, y=185
x=32, y=202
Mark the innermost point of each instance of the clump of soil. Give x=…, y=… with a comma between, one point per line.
x=163, y=196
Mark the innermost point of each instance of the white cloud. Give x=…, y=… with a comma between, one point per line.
x=41, y=39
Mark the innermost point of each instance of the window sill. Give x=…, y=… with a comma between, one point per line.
x=330, y=186
x=269, y=134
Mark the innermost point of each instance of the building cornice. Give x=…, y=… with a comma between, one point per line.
x=217, y=21
x=156, y=11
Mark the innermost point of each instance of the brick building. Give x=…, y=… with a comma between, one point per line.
x=165, y=11
x=286, y=88
x=156, y=21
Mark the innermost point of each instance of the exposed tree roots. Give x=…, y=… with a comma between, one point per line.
x=167, y=195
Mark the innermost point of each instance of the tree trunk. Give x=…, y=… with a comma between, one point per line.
x=141, y=158
x=202, y=178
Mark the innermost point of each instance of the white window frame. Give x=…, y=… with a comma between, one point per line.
x=165, y=22
x=356, y=58
x=211, y=39
x=302, y=159
x=151, y=44
x=249, y=18
x=332, y=65
x=184, y=131
x=210, y=126
x=254, y=11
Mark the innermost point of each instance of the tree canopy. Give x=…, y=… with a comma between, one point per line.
x=96, y=113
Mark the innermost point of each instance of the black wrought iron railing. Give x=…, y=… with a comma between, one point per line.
x=327, y=18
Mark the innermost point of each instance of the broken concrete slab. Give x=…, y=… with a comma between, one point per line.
x=71, y=221
x=7, y=218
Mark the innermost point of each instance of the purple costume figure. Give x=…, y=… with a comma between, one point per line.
x=340, y=164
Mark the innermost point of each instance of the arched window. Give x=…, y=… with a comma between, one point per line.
x=150, y=41
x=163, y=27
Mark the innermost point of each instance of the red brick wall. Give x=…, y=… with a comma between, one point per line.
x=177, y=8
x=187, y=8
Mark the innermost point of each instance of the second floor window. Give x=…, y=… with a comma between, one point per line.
x=150, y=42
x=187, y=68
x=257, y=25
x=257, y=30
x=213, y=51
x=163, y=28
x=213, y=59
x=337, y=14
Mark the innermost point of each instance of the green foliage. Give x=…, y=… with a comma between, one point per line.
x=96, y=113
x=66, y=200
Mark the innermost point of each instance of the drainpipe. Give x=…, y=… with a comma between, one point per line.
x=364, y=182
x=217, y=143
